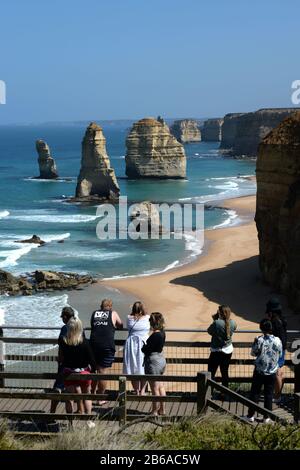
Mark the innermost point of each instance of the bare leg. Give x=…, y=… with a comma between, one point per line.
x=79, y=403
x=53, y=406
x=94, y=385
x=278, y=383
x=136, y=386
x=87, y=403
x=69, y=404
x=155, y=391
x=162, y=393
x=143, y=384
x=102, y=384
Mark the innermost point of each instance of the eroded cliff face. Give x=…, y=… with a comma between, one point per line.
x=229, y=130
x=278, y=208
x=47, y=164
x=96, y=177
x=186, y=130
x=153, y=152
x=212, y=130
x=242, y=133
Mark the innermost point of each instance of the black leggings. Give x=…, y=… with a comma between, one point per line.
x=259, y=380
x=221, y=359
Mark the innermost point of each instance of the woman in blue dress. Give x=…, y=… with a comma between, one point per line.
x=138, y=328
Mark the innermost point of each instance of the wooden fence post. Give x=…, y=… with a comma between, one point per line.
x=122, y=401
x=2, y=358
x=203, y=391
x=297, y=408
x=297, y=378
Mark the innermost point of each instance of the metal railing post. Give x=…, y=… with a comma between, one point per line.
x=203, y=391
x=122, y=401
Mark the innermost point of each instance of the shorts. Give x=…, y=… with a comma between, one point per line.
x=104, y=357
x=281, y=360
x=76, y=383
x=155, y=364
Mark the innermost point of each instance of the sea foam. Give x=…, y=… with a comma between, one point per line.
x=57, y=218
x=4, y=214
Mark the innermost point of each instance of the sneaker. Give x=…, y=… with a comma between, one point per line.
x=249, y=419
x=267, y=421
x=277, y=401
x=90, y=424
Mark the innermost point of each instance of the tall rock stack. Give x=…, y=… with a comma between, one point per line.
x=212, y=130
x=47, y=164
x=153, y=152
x=186, y=130
x=96, y=179
x=278, y=208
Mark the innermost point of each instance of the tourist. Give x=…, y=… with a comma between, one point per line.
x=76, y=355
x=104, y=322
x=221, y=331
x=155, y=362
x=267, y=348
x=66, y=314
x=279, y=329
x=138, y=329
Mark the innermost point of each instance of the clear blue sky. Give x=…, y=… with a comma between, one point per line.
x=109, y=59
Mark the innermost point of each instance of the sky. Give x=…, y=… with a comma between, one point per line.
x=70, y=60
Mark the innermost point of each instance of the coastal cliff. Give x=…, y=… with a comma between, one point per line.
x=229, y=130
x=278, y=208
x=212, y=130
x=96, y=178
x=186, y=130
x=153, y=152
x=47, y=164
x=244, y=133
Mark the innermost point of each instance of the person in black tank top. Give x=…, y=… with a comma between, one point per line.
x=104, y=323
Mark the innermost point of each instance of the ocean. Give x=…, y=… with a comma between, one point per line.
x=29, y=206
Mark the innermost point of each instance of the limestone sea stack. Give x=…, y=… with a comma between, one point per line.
x=96, y=179
x=212, y=130
x=251, y=128
x=153, y=152
x=186, y=130
x=47, y=164
x=278, y=208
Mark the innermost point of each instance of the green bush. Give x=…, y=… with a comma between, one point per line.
x=218, y=432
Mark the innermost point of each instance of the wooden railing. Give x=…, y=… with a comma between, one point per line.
x=121, y=398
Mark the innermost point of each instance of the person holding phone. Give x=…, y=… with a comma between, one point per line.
x=221, y=331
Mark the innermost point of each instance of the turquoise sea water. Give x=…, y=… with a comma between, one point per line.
x=30, y=207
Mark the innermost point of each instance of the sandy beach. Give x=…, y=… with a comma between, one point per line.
x=226, y=273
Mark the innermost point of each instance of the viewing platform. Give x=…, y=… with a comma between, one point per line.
x=28, y=362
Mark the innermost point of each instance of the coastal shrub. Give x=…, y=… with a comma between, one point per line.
x=219, y=432
x=7, y=440
x=211, y=432
x=103, y=436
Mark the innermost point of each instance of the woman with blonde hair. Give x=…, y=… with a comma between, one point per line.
x=138, y=329
x=77, y=357
x=221, y=331
x=155, y=362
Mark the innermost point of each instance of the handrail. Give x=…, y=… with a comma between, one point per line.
x=245, y=401
x=170, y=330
